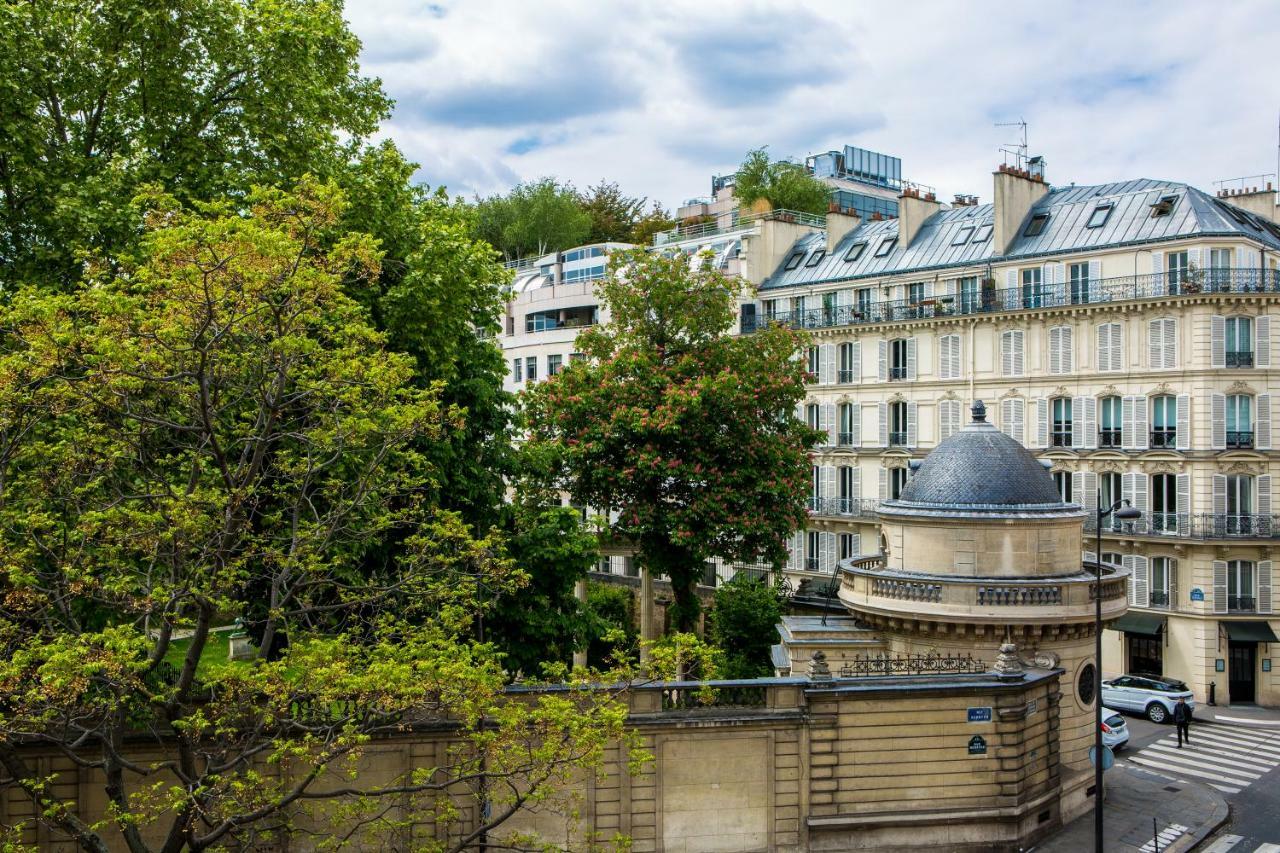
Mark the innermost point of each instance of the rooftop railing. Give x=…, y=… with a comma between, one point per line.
x=1122, y=289
x=737, y=223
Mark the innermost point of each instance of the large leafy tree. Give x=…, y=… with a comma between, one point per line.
x=536, y=217
x=218, y=424
x=614, y=215
x=744, y=625
x=782, y=184
x=685, y=432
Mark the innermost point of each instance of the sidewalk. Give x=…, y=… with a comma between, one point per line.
x=1240, y=715
x=1186, y=814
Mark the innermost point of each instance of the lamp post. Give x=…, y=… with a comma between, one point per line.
x=1122, y=510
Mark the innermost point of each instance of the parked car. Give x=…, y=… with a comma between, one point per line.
x=1152, y=695
x=1115, y=733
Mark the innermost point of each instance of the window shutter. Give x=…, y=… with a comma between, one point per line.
x=857, y=424
x=857, y=544
x=1055, y=350
x=957, y=359
x=911, y=358
x=1068, y=347
x=1139, y=580
x=1042, y=426
x=883, y=370
x=1135, y=490
x=1157, y=267
x=1262, y=422
x=828, y=482
x=1193, y=258
x=1011, y=279
x=1264, y=495
x=1140, y=436
x=1173, y=582
x=1262, y=342
x=1104, y=346
x=884, y=424
x=1006, y=353
x=1219, y=586
x=844, y=298
x=855, y=360
x=1018, y=368
x=1077, y=422
x=1182, y=437
x=1184, y=500
x=1170, y=343
x=1218, y=341
x=884, y=483
x=1077, y=487
x=800, y=411
x=1155, y=344
x=1117, y=348
x=827, y=364
x=1095, y=275
x=1090, y=493
x=1090, y=410
x=1020, y=427
x=1219, y=497
x=827, y=413
x=1264, y=586
x=1218, y=414
x=827, y=553
x=1127, y=423
x=1011, y=419
x=1088, y=556
x=912, y=409
x=855, y=483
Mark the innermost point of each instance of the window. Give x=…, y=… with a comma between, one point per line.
x=1177, y=265
x=886, y=246
x=541, y=321
x=816, y=258
x=576, y=356
x=1011, y=353
x=848, y=427
x=1163, y=570
x=511, y=325
x=1164, y=420
x=1061, y=350
x=531, y=368
x=962, y=236
x=1100, y=215
x=968, y=287
x=855, y=251
x=1078, y=276
x=1112, y=559
x=1036, y=226
x=948, y=418
x=1012, y=418
x=1110, y=348
x=794, y=261
x=915, y=293
x=1110, y=423
x=1239, y=420
x=897, y=359
x=1164, y=502
x=1032, y=291
x=864, y=302
x=1061, y=436
x=1162, y=344
x=848, y=488
x=1062, y=479
x=848, y=546
x=983, y=234
x=1110, y=491
x=1240, y=586
x=554, y=364
x=829, y=308
x=770, y=307
x=1164, y=206
x=813, y=362
x=1239, y=503
x=517, y=370
x=812, y=417
x=812, y=550
x=1219, y=272
x=949, y=357
x=1239, y=341
x=848, y=363
x=897, y=482
x=897, y=425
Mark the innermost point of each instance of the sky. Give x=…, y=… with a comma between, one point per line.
x=659, y=96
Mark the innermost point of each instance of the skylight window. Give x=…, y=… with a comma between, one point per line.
x=886, y=246
x=962, y=236
x=983, y=235
x=1036, y=226
x=816, y=258
x=1101, y=214
x=855, y=251
x=1164, y=206
x=1235, y=213
x=794, y=261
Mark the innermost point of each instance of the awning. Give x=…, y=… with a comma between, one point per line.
x=1251, y=632
x=1140, y=623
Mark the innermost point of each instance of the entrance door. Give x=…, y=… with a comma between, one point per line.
x=1146, y=654
x=1240, y=668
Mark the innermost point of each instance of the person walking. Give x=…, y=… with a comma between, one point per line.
x=1182, y=721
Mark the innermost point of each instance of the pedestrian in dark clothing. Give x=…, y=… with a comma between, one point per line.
x=1182, y=720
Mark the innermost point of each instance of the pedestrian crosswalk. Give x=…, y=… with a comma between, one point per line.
x=1229, y=758
x=1230, y=844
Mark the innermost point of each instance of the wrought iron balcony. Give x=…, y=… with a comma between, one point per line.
x=897, y=373
x=1239, y=359
x=1164, y=437
x=1241, y=604
x=897, y=439
x=1159, y=598
x=845, y=377
x=844, y=439
x=1239, y=438
x=1193, y=526
x=1109, y=438
x=845, y=507
x=1062, y=437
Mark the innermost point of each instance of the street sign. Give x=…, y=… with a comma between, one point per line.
x=1108, y=757
x=977, y=745
x=1197, y=594
x=979, y=715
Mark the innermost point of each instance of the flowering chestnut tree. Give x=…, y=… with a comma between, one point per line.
x=682, y=431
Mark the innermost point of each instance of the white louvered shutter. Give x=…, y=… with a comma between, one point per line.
x=1068, y=352
x=827, y=552
x=827, y=482
x=1218, y=416
x=1011, y=279
x=828, y=419
x=912, y=432
x=1117, y=347
x=957, y=357
x=1126, y=423
x=1193, y=258
x=884, y=483
x=1104, y=346
x=1219, y=586
x=1135, y=490
x=1264, y=586
x=884, y=424
x=1042, y=422
x=1219, y=495
x=855, y=360
x=882, y=371
x=1089, y=499
x=1157, y=269
x=1218, y=341
x=827, y=364
x=911, y=358
x=1182, y=438
x=948, y=418
x=1090, y=410
x=1055, y=350
x=1095, y=276
x=1262, y=342
x=1077, y=487
x=1155, y=344
x=795, y=546
x=1262, y=422
x=1139, y=580
x=1170, y=336
x=1140, y=434
x=1264, y=494
x=1183, y=482
x=1011, y=419
x=855, y=483
x=1078, y=432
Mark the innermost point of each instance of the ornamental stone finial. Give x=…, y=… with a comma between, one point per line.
x=1008, y=664
x=818, y=669
x=979, y=412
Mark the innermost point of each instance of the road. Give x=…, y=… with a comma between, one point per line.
x=1240, y=760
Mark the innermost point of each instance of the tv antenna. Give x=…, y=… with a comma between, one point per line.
x=1017, y=150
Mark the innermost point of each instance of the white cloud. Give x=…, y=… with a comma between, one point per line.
x=660, y=95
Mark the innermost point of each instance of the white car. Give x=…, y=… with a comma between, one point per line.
x=1115, y=733
x=1152, y=695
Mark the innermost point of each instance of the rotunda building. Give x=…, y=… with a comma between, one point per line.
x=980, y=550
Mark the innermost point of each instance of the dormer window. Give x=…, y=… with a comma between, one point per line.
x=855, y=251
x=962, y=236
x=1101, y=214
x=886, y=246
x=1164, y=206
x=1036, y=226
x=983, y=234
x=816, y=258
x=794, y=261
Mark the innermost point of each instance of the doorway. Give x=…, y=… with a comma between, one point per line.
x=1146, y=654
x=1241, y=664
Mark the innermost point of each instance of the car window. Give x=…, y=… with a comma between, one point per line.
x=1144, y=684
x=1122, y=681
x=1115, y=721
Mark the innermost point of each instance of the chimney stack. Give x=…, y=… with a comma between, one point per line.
x=1260, y=202
x=840, y=221
x=1016, y=191
x=914, y=207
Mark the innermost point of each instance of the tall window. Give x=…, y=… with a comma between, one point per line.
x=1011, y=363
x=1240, y=586
x=915, y=293
x=829, y=308
x=898, y=359
x=812, y=416
x=1164, y=502
x=1078, y=275
x=1162, y=573
x=864, y=303
x=1219, y=273
x=968, y=287
x=1109, y=491
x=848, y=546
x=1062, y=479
x=1239, y=520
x=848, y=363
x=517, y=370
x=897, y=482
x=813, y=362
x=531, y=368
x=812, y=550
x=1110, y=422
x=848, y=427
x=1239, y=341
x=897, y=424
x=1032, y=288
x=554, y=363
x=1239, y=420
x=1164, y=420
x=1061, y=436
x=1177, y=265
x=848, y=491
x=815, y=489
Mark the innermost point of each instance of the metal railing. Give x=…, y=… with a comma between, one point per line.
x=1239, y=359
x=1120, y=289
x=897, y=439
x=844, y=439
x=1239, y=438
x=1194, y=526
x=1163, y=437
x=1061, y=438
x=872, y=665
x=736, y=222
x=1241, y=604
x=1110, y=438
x=846, y=376
x=848, y=507
x=1159, y=598
x=897, y=372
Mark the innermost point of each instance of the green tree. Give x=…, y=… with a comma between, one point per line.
x=614, y=216
x=784, y=185
x=215, y=424
x=613, y=611
x=686, y=432
x=534, y=218
x=657, y=219
x=743, y=626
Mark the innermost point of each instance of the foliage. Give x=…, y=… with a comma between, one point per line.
x=612, y=610
x=215, y=424
x=682, y=656
x=686, y=432
x=536, y=217
x=743, y=626
x=614, y=216
x=782, y=184
x=647, y=226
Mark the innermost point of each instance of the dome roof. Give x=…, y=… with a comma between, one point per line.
x=980, y=470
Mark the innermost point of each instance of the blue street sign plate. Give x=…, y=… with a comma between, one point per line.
x=979, y=715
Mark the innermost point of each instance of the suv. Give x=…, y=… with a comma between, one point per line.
x=1152, y=695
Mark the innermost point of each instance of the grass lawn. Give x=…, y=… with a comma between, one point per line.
x=215, y=653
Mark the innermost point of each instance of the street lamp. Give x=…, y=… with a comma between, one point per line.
x=1121, y=510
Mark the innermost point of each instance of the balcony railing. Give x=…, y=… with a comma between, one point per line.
x=1159, y=598
x=1061, y=438
x=736, y=223
x=1164, y=437
x=1239, y=359
x=846, y=376
x=1239, y=438
x=844, y=439
x=1121, y=289
x=897, y=439
x=1193, y=526
x=897, y=373
x=1241, y=604
x=1109, y=438
x=811, y=564
x=846, y=507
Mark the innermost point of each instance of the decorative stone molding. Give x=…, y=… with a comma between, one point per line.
x=1162, y=467
x=950, y=395
x=1109, y=467
x=1063, y=465
x=1060, y=391
x=1240, y=387
x=894, y=461
x=1007, y=664
x=897, y=398
x=1010, y=394
x=1164, y=388
x=1253, y=468
x=1109, y=391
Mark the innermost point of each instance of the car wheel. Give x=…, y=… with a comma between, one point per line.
x=1157, y=713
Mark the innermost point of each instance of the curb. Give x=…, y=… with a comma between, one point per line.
x=1221, y=814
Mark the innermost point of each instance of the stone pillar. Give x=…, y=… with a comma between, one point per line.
x=646, y=611
x=580, y=593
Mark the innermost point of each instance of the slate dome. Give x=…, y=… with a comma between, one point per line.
x=980, y=469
